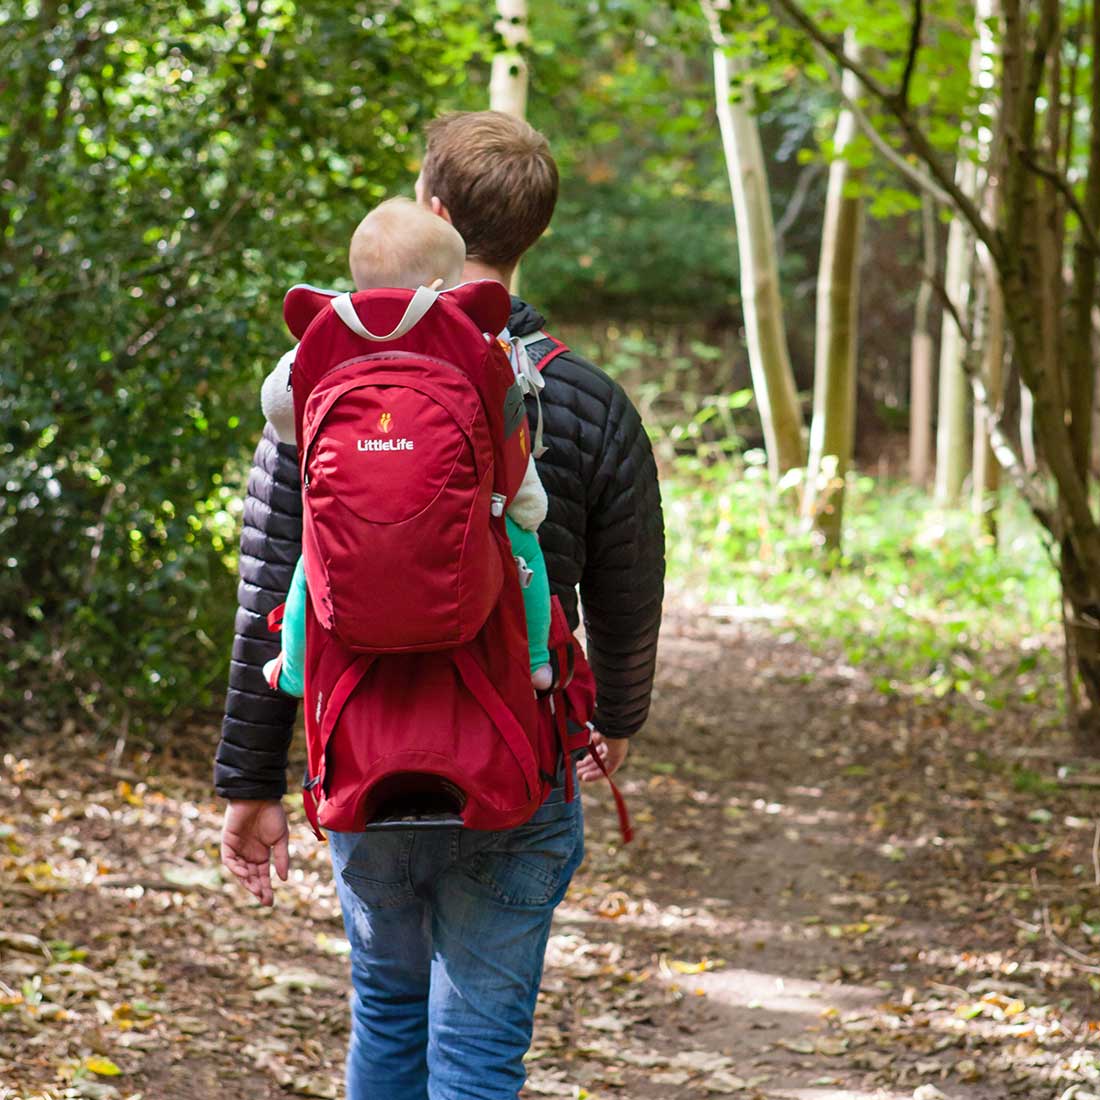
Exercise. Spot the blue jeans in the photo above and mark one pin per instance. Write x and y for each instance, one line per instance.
(448, 931)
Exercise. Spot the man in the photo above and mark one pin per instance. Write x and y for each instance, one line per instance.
(448, 929)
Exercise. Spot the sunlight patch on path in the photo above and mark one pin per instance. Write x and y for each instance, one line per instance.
(846, 1093)
(775, 993)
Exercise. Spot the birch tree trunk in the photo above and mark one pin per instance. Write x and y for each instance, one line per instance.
(508, 79)
(987, 470)
(769, 357)
(508, 76)
(953, 457)
(835, 339)
(920, 357)
(991, 332)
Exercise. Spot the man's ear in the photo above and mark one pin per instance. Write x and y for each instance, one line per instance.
(440, 210)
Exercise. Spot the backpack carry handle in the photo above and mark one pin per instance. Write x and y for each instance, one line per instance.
(422, 300)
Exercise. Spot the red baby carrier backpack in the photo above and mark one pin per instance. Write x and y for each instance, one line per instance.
(413, 439)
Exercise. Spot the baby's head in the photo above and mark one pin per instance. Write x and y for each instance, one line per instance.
(403, 244)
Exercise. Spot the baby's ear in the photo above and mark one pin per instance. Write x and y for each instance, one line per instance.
(486, 302)
(301, 304)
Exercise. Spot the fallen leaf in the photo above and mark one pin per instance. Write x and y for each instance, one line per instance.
(607, 1022)
(102, 1067)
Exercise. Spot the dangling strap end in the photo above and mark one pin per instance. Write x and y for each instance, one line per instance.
(626, 829)
(309, 804)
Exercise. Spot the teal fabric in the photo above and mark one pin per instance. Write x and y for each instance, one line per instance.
(536, 605)
(536, 596)
(292, 677)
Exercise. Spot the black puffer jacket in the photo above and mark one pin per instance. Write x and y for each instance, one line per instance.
(604, 533)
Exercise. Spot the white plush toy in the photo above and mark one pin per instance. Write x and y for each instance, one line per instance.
(277, 400)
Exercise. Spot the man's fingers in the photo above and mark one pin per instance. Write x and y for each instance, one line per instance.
(588, 771)
(246, 873)
(282, 857)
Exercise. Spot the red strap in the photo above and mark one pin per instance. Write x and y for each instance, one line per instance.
(309, 804)
(275, 618)
(559, 349)
(557, 709)
(625, 828)
(276, 671)
(482, 689)
(349, 680)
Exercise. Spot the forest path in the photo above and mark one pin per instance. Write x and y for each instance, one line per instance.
(831, 896)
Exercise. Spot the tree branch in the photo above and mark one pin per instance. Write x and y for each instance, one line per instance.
(940, 290)
(1000, 442)
(913, 173)
(798, 200)
(914, 49)
(904, 116)
(1065, 188)
(1009, 459)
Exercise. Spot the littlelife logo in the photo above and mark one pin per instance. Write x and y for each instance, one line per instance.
(385, 445)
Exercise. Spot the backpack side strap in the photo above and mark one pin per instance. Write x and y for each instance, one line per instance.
(530, 359)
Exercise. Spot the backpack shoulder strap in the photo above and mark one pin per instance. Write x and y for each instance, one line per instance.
(541, 348)
(533, 352)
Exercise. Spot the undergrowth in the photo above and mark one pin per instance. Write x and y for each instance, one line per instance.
(916, 597)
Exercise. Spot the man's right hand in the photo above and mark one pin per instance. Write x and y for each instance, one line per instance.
(253, 834)
(612, 752)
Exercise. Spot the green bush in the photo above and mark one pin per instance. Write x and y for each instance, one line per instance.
(164, 190)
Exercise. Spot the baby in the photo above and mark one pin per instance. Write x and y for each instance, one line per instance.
(403, 244)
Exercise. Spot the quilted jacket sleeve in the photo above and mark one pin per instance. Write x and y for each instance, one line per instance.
(622, 585)
(259, 722)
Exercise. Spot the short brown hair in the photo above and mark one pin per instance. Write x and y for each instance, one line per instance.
(495, 175)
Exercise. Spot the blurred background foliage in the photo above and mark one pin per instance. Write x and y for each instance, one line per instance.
(171, 170)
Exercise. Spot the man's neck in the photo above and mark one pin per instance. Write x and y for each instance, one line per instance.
(475, 269)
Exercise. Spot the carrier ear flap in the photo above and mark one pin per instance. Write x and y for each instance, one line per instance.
(486, 302)
(301, 304)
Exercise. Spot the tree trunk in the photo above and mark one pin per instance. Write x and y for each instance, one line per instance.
(769, 357)
(508, 77)
(833, 425)
(987, 471)
(920, 357)
(1080, 571)
(1027, 430)
(1020, 247)
(953, 428)
(508, 80)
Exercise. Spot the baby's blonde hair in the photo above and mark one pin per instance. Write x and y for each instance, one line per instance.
(403, 244)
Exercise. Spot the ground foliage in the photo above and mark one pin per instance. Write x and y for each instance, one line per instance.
(919, 601)
(833, 893)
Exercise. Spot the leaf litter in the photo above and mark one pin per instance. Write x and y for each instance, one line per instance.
(830, 889)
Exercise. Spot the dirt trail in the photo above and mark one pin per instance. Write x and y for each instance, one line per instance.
(833, 894)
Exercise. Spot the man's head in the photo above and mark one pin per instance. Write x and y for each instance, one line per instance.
(402, 244)
(493, 177)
